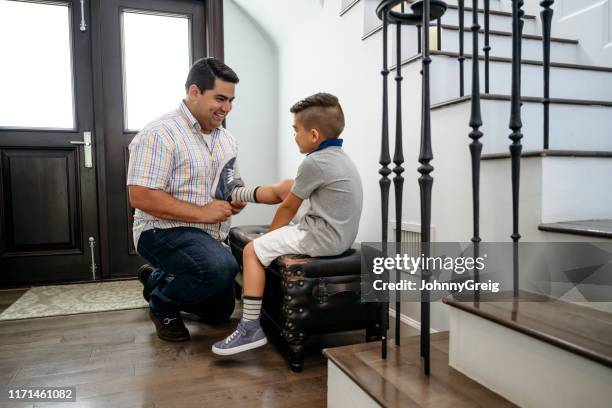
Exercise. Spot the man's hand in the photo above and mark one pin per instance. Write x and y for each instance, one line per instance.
(216, 211)
(237, 206)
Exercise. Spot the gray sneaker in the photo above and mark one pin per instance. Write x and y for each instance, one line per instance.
(226, 181)
(248, 335)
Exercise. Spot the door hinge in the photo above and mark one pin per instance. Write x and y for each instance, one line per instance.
(92, 244)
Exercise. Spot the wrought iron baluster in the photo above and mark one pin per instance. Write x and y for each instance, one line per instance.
(475, 124)
(487, 45)
(547, 15)
(439, 34)
(516, 135)
(398, 160)
(425, 184)
(419, 38)
(385, 182)
(461, 58)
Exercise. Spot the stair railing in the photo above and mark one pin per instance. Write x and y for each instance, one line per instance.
(398, 160)
(475, 135)
(546, 15)
(384, 182)
(423, 12)
(516, 135)
(487, 45)
(461, 58)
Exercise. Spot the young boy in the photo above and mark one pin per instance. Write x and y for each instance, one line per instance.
(331, 182)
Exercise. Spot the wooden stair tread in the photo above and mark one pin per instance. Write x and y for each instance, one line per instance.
(593, 228)
(506, 34)
(550, 153)
(492, 12)
(577, 329)
(451, 54)
(399, 381)
(528, 99)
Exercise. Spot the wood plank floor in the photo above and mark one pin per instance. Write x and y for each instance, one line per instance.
(9, 296)
(116, 360)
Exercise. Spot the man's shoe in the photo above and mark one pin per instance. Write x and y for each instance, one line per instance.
(226, 182)
(170, 328)
(143, 274)
(248, 335)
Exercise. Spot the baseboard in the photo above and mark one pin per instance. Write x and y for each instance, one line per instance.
(407, 320)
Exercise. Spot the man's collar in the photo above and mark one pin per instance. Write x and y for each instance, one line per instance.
(328, 143)
(193, 122)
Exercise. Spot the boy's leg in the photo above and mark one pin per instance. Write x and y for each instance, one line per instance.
(256, 255)
(254, 281)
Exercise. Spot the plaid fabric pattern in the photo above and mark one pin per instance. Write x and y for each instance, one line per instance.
(171, 154)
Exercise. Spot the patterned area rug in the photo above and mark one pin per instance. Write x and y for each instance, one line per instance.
(43, 301)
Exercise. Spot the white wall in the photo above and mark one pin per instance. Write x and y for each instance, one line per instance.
(251, 52)
(321, 51)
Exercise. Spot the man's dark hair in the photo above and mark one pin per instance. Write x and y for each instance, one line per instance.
(323, 112)
(204, 71)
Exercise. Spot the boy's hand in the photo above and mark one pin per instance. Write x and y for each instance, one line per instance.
(237, 206)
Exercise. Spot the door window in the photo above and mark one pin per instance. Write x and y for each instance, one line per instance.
(155, 53)
(36, 88)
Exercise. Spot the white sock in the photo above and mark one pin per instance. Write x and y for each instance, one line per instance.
(245, 194)
(251, 308)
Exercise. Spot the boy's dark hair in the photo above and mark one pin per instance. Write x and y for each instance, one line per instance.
(204, 71)
(323, 112)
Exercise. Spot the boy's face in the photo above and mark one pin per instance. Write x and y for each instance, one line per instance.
(307, 139)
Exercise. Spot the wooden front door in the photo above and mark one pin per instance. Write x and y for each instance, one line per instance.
(147, 48)
(48, 205)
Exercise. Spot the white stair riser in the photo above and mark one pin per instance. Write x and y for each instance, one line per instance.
(570, 83)
(576, 188)
(501, 46)
(342, 391)
(572, 127)
(526, 371)
(553, 189)
(496, 22)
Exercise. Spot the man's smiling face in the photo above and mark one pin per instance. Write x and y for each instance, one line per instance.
(212, 106)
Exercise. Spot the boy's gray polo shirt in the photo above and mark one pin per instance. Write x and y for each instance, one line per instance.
(330, 180)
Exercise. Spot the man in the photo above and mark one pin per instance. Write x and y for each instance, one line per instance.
(179, 226)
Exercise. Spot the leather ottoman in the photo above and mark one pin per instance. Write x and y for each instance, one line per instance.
(305, 296)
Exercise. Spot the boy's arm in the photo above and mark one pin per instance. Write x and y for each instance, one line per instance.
(286, 211)
(275, 193)
(272, 194)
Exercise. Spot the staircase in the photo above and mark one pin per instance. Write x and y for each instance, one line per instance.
(556, 353)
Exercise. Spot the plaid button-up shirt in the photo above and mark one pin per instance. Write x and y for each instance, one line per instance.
(171, 154)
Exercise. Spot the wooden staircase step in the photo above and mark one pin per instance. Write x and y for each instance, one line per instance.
(493, 13)
(591, 228)
(399, 381)
(550, 153)
(468, 34)
(530, 99)
(580, 330)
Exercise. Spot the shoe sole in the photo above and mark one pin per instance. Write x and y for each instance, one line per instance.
(174, 339)
(240, 349)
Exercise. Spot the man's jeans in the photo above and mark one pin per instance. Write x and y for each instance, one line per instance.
(194, 273)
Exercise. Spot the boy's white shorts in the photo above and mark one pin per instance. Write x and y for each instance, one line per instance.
(282, 241)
